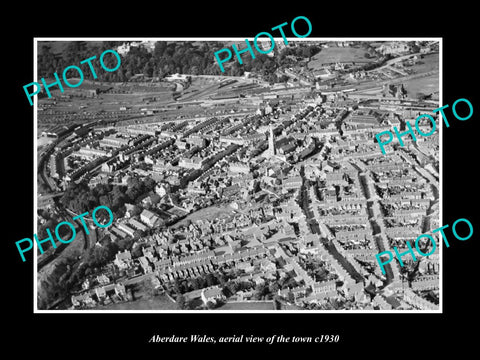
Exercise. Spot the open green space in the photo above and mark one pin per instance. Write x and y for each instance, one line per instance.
(429, 62)
(425, 85)
(160, 302)
(338, 54)
(248, 305)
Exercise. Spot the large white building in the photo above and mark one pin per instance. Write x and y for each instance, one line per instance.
(113, 141)
(87, 152)
(394, 48)
(149, 218)
(125, 47)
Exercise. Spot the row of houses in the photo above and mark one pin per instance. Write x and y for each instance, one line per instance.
(344, 219)
(399, 199)
(417, 301)
(337, 266)
(185, 270)
(242, 255)
(186, 266)
(380, 301)
(426, 282)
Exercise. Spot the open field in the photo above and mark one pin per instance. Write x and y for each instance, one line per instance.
(248, 305)
(428, 63)
(160, 302)
(338, 54)
(426, 85)
(43, 140)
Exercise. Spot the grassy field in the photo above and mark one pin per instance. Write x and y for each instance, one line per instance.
(160, 302)
(427, 63)
(424, 85)
(43, 140)
(427, 84)
(338, 54)
(248, 305)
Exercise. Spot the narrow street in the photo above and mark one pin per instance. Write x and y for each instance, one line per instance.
(315, 228)
(376, 222)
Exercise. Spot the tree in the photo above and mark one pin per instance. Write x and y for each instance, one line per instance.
(106, 201)
(291, 297)
(148, 69)
(306, 52)
(230, 288)
(273, 287)
(159, 49)
(124, 244)
(43, 189)
(211, 305)
(413, 46)
(102, 189)
(155, 198)
(202, 283)
(137, 251)
(178, 287)
(259, 290)
(298, 51)
(211, 280)
(194, 283)
(180, 300)
(191, 304)
(149, 183)
(99, 256)
(420, 96)
(137, 210)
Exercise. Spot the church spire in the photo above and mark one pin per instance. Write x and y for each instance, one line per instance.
(271, 143)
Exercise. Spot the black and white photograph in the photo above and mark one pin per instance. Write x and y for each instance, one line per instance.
(261, 188)
(255, 179)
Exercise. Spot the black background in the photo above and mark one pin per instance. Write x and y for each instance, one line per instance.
(59, 335)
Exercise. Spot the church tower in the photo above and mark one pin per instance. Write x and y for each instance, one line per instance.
(271, 143)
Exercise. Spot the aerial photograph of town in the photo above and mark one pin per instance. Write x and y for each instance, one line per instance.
(259, 188)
